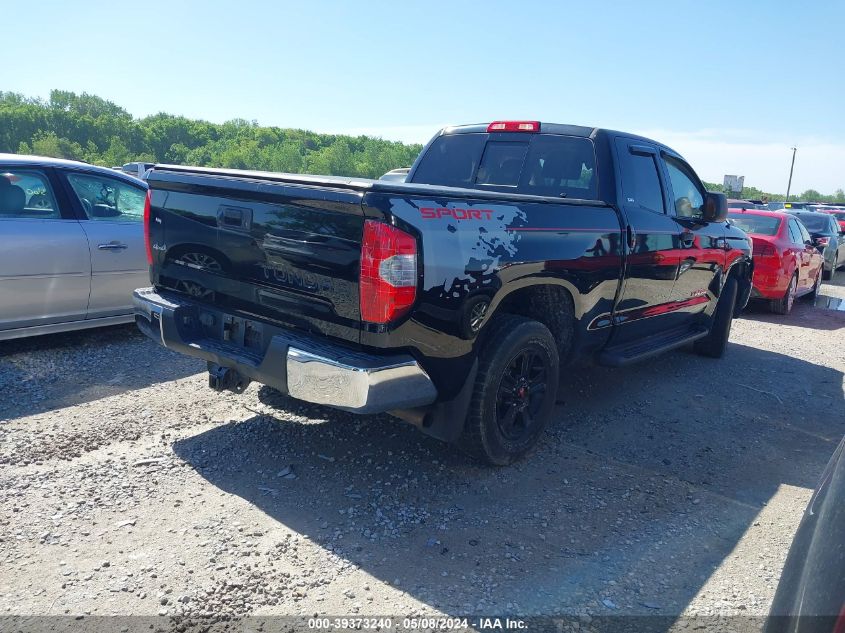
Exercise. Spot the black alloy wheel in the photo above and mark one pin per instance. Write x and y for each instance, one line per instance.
(521, 393)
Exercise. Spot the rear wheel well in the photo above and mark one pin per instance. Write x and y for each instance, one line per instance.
(550, 305)
(742, 274)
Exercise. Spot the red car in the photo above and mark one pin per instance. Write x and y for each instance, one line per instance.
(786, 263)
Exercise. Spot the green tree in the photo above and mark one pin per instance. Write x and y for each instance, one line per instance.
(48, 144)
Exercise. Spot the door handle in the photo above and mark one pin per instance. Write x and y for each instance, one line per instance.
(112, 246)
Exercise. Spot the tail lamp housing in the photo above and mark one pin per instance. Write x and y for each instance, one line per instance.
(148, 247)
(763, 249)
(388, 280)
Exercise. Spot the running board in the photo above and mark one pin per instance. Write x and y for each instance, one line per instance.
(633, 352)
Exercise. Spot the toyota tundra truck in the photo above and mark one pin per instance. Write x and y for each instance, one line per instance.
(457, 300)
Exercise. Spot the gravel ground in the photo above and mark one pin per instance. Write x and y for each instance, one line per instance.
(672, 487)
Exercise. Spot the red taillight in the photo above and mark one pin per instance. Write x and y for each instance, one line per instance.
(147, 245)
(514, 126)
(388, 284)
(763, 249)
(822, 241)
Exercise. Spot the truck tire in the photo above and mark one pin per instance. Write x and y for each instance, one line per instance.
(784, 304)
(714, 344)
(514, 393)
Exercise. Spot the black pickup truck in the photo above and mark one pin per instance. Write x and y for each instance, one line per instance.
(451, 300)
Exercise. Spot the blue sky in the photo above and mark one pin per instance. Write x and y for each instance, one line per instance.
(730, 85)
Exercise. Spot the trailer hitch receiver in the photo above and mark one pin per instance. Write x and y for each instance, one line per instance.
(226, 379)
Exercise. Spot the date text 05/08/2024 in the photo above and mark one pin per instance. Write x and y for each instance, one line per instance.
(418, 623)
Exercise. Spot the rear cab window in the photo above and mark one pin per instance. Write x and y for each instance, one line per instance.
(535, 164)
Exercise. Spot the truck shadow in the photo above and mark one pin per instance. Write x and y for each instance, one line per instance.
(642, 487)
(44, 373)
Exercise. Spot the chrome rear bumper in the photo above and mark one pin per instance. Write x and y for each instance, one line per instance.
(303, 366)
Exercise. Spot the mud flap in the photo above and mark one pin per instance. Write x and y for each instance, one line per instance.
(443, 420)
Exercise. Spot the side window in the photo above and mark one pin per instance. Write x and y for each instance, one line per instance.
(686, 194)
(794, 233)
(805, 235)
(26, 193)
(640, 182)
(110, 199)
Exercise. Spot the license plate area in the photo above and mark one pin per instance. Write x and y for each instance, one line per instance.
(233, 330)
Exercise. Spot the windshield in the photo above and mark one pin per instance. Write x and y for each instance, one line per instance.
(535, 164)
(755, 224)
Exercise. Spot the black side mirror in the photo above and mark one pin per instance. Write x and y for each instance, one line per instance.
(715, 207)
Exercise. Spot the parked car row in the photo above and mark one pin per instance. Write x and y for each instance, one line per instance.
(794, 250)
(837, 211)
(91, 220)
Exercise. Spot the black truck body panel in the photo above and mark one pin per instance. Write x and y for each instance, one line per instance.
(287, 249)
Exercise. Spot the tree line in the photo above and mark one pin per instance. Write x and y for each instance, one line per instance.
(89, 128)
(752, 193)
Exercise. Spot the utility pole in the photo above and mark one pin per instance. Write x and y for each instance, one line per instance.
(791, 167)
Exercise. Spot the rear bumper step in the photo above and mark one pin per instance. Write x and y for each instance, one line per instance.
(303, 366)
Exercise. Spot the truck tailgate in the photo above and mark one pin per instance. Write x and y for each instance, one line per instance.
(284, 249)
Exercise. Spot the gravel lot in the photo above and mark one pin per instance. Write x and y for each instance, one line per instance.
(670, 487)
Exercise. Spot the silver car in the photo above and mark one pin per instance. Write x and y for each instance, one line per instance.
(71, 245)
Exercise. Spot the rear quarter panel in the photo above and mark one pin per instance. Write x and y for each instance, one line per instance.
(476, 249)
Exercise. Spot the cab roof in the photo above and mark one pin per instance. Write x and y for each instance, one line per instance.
(556, 128)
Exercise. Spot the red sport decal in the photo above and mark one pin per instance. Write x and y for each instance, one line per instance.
(431, 213)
